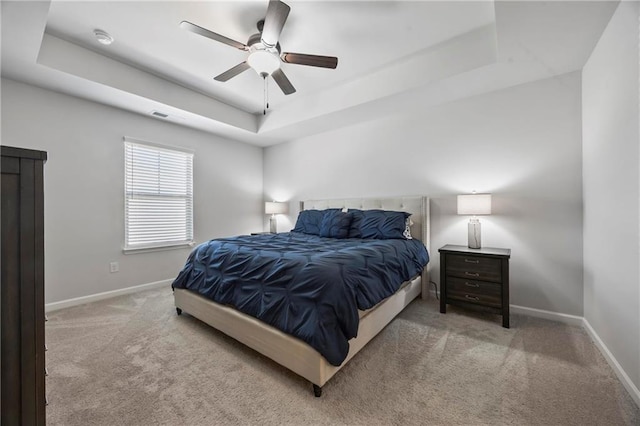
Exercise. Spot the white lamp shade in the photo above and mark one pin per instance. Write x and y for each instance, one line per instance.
(474, 204)
(272, 207)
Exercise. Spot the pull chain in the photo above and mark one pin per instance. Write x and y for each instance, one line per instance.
(266, 93)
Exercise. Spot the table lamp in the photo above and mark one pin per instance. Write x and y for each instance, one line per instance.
(273, 208)
(474, 204)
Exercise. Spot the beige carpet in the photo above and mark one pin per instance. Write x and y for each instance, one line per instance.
(132, 361)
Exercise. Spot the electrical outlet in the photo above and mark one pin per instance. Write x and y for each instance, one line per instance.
(114, 267)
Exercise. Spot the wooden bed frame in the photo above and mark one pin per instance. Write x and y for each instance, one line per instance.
(293, 353)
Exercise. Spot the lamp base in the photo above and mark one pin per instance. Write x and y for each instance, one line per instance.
(474, 234)
(273, 224)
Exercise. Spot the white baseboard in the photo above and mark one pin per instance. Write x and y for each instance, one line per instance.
(49, 307)
(581, 322)
(539, 313)
(613, 362)
(550, 315)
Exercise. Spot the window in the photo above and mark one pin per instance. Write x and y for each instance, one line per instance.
(158, 187)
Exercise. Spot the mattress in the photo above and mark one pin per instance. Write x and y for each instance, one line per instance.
(313, 288)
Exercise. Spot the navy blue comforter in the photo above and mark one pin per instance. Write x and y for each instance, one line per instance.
(305, 285)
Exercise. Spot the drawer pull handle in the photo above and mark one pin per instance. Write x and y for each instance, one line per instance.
(468, 284)
(477, 299)
(472, 274)
(472, 261)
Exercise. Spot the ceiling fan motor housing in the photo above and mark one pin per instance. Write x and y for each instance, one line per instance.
(257, 39)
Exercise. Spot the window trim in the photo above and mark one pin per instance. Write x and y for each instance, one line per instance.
(150, 249)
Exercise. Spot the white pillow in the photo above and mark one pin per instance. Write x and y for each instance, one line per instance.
(407, 229)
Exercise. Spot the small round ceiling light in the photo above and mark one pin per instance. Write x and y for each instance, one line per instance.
(103, 37)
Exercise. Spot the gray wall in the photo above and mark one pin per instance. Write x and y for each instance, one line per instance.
(84, 187)
(611, 175)
(522, 144)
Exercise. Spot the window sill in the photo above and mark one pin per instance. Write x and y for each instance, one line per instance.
(159, 248)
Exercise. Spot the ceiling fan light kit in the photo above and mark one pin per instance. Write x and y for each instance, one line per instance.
(263, 61)
(265, 55)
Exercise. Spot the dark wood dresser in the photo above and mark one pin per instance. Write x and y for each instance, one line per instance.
(475, 277)
(22, 297)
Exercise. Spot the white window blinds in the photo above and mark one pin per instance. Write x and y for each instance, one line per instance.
(158, 196)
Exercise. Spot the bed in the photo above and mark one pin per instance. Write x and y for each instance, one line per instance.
(340, 331)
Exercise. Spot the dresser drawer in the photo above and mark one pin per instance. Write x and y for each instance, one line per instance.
(472, 291)
(474, 267)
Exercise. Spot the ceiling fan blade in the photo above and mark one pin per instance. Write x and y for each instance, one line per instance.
(186, 25)
(230, 73)
(277, 13)
(283, 82)
(311, 60)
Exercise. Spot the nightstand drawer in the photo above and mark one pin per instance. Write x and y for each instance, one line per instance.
(479, 292)
(474, 267)
(483, 300)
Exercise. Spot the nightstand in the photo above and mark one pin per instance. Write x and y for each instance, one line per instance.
(475, 277)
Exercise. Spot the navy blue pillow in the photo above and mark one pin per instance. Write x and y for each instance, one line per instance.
(309, 221)
(380, 224)
(335, 224)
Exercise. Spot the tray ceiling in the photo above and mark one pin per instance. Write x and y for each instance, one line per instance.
(391, 55)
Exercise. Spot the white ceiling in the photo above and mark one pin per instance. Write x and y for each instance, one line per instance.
(393, 56)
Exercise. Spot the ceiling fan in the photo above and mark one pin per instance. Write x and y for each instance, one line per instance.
(265, 55)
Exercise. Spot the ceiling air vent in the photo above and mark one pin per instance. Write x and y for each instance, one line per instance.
(159, 114)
